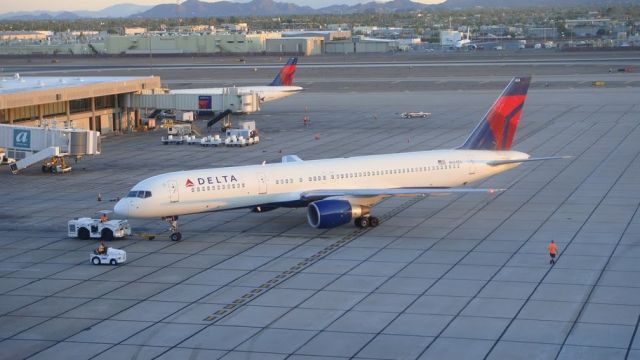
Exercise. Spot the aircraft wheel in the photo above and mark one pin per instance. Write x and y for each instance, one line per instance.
(176, 236)
(83, 233)
(374, 221)
(107, 234)
(364, 222)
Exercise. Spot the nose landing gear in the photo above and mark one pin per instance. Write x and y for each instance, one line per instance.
(173, 227)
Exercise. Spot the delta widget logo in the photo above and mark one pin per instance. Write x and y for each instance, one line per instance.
(189, 183)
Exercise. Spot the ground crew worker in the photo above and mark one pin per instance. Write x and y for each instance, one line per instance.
(553, 250)
(104, 217)
(101, 248)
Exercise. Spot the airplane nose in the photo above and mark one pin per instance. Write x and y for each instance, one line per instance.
(122, 208)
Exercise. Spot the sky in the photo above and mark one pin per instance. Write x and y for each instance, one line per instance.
(70, 5)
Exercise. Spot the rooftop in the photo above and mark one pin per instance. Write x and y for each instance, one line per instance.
(17, 83)
(52, 89)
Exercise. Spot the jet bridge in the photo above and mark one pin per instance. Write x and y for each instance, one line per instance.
(30, 145)
(221, 100)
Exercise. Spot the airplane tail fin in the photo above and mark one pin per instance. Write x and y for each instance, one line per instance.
(498, 127)
(285, 76)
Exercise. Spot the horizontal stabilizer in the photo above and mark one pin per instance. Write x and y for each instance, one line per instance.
(291, 159)
(320, 194)
(504, 162)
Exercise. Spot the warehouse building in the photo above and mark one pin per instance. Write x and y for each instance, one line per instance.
(295, 45)
(93, 103)
(359, 44)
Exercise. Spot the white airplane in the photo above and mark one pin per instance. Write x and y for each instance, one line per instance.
(279, 88)
(337, 191)
(466, 43)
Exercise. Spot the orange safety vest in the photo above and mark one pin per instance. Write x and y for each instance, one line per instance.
(552, 248)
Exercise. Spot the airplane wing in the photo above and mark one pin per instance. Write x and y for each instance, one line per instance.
(504, 162)
(320, 194)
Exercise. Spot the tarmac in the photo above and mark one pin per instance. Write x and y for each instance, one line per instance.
(442, 277)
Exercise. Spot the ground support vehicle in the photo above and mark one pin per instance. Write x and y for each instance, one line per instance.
(192, 140)
(88, 228)
(111, 256)
(55, 165)
(170, 139)
(241, 141)
(211, 141)
(415, 114)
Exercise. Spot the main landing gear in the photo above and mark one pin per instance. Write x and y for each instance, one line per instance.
(173, 227)
(364, 222)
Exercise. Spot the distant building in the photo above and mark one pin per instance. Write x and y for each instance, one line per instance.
(361, 44)
(295, 45)
(587, 27)
(24, 35)
(236, 28)
(494, 30)
(364, 30)
(393, 33)
(541, 32)
(326, 35)
(134, 31)
(338, 27)
(192, 43)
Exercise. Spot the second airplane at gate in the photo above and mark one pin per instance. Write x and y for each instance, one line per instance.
(338, 191)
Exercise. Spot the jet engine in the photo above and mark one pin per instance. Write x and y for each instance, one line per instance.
(326, 214)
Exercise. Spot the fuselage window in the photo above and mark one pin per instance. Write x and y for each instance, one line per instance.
(324, 177)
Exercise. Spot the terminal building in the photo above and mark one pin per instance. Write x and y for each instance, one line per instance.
(106, 104)
(92, 103)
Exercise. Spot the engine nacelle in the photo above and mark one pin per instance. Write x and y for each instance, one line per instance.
(326, 214)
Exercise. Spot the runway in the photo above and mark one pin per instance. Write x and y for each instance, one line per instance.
(442, 277)
(366, 73)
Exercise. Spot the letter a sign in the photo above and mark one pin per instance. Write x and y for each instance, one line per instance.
(21, 139)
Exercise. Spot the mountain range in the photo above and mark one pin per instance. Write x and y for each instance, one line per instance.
(114, 11)
(197, 8)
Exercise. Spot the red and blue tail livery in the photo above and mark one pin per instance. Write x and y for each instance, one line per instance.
(498, 127)
(285, 76)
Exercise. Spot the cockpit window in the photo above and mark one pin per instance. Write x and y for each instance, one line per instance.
(139, 194)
